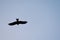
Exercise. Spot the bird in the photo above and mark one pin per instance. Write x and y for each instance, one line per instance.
(17, 22)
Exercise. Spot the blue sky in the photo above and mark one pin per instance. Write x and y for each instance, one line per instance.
(43, 18)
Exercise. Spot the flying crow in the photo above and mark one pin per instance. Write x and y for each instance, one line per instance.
(17, 22)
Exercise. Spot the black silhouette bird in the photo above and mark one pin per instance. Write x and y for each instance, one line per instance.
(17, 22)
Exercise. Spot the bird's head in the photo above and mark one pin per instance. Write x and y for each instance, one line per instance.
(17, 19)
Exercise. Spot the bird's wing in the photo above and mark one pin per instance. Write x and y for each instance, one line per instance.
(13, 23)
(22, 22)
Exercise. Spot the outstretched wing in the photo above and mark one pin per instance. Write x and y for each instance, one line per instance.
(22, 22)
(13, 23)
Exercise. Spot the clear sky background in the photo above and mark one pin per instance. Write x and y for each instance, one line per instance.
(43, 18)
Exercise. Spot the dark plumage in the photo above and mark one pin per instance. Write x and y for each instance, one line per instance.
(18, 22)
